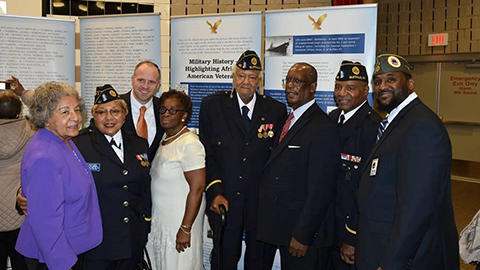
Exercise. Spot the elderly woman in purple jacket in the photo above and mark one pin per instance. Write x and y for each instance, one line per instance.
(63, 218)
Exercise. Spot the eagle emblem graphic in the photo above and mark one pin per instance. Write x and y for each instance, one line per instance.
(213, 28)
(317, 23)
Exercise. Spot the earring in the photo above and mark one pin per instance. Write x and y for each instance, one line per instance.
(183, 120)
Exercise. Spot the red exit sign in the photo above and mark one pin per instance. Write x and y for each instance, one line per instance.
(438, 39)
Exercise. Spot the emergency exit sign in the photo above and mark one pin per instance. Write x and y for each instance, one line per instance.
(438, 39)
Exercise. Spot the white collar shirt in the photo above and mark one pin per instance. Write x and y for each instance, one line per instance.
(119, 142)
(349, 114)
(391, 116)
(299, 112)
(250, 104)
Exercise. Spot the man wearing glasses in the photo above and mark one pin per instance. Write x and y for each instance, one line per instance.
(296, 196)
(237, 129)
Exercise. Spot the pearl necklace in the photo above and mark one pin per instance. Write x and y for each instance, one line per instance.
(174, 135)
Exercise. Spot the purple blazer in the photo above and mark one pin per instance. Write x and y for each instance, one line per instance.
(63, 214)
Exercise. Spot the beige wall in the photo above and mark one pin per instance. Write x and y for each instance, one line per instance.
(24, 7)
(404, 25)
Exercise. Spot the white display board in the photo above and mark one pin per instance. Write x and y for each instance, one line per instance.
(204, 48)
(111, 47)
(36, 50)
(322, 37)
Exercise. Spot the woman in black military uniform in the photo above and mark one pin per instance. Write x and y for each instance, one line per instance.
(121, 169)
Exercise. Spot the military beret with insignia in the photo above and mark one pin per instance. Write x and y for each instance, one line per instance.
(350, 71)
(105, 94)
(391, 63)
(249, 60)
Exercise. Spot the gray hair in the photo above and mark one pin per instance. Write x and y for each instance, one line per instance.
(45, 100)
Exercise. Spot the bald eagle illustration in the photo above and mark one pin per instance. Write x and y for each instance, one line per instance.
(316, 24)
(213, 28)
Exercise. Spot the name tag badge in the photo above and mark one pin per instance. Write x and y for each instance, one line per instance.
(373, 169)
(94, 167)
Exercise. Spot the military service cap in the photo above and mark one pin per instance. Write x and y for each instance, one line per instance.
(105, 94)
(350, 71)
(391, 63)
(249, 60)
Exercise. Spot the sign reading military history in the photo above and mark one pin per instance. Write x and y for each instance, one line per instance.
(322, 37)
(204, 49)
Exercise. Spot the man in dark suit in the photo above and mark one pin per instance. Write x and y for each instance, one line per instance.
(406, 216)
(296, 197)
(145, 84)
(357, 124)
(237, 129)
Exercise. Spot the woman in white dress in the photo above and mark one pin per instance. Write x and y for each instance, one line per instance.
(178, 182)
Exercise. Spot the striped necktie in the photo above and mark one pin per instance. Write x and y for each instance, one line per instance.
(286, 127)
(381, 129)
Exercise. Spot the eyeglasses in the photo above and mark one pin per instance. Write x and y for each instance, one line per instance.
(163, 110)
(296, 82)
(103, 113)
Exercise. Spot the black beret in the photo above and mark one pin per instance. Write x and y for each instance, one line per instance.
(105, 94)
(249, 60)
(350, 71)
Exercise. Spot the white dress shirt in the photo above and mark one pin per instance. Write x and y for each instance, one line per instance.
(350, 113)
(119, 142)
(402, 105)
(250, 104)
(299, 112)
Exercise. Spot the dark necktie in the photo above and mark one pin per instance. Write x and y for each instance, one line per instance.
(381, 129)
(112, 142)
(246, 120)
(286, 127)
(342, 120)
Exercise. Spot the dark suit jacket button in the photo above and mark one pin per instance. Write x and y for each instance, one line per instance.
(277, 178)
(219, 143)
(125, 203)
(244, 159)
(125, 187)
(238, 194)
(126, 219)
(240, 177)
(125, 172)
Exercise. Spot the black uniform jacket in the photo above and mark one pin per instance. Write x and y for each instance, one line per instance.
(130, 126)
(357, 137)
(405, 201)
(297, 191)
(233, 155)
(123, 192)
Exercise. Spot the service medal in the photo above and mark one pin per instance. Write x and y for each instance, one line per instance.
(143, 163)
(260, 134)
(270, 134)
